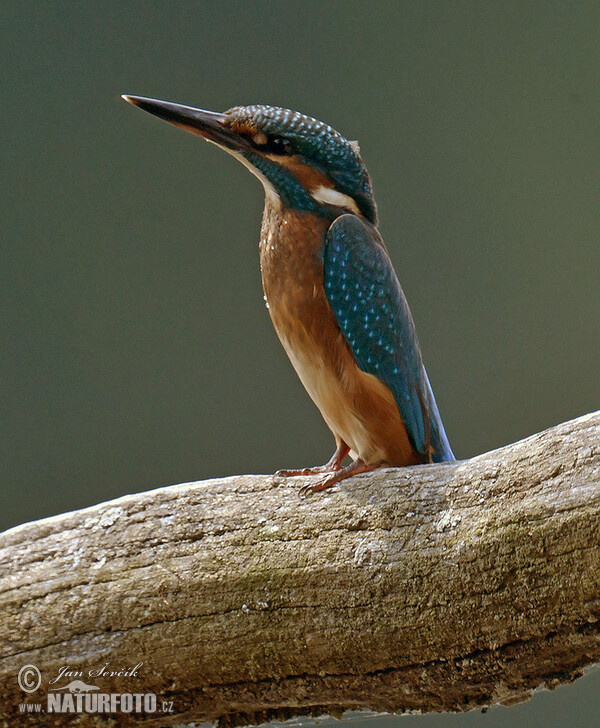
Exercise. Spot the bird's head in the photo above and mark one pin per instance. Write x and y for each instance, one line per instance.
(302, 161)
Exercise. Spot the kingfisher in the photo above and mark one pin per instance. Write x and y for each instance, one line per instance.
(330, 287)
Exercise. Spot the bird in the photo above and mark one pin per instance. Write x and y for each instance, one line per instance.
(330, 287)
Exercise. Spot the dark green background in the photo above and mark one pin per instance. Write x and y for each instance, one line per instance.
(136, 349)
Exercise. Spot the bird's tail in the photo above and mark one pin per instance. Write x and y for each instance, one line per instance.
(440, 445)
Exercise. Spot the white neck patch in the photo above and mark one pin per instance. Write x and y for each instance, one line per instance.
(329, 196)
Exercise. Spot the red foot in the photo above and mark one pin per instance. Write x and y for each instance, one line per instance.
(334, 463)
(353, 469)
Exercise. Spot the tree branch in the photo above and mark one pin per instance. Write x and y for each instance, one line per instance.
(435, 587)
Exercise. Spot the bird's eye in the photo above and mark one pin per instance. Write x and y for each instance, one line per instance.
(280, 145)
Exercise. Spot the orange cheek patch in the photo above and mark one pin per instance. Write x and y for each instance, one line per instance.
(309, 178)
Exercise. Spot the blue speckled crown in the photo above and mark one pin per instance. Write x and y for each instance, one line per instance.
(319, 145)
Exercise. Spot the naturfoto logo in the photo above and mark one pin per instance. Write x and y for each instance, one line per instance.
(82, 695)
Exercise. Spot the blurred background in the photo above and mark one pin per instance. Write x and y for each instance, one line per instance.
(136, 348)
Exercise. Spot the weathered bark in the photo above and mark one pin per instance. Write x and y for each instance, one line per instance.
(439, 587)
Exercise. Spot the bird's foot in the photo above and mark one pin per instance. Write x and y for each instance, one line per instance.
(334, 464)
(353, 469)
(305, 471)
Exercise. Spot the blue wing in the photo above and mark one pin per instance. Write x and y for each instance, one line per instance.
(371, 310)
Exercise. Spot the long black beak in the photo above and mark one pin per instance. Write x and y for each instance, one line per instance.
(210, 125)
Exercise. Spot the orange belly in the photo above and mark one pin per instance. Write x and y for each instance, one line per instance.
(357, 407)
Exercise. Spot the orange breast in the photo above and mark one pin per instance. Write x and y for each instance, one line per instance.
(357, 407)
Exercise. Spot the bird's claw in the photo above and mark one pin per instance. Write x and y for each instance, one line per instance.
(318, 486)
